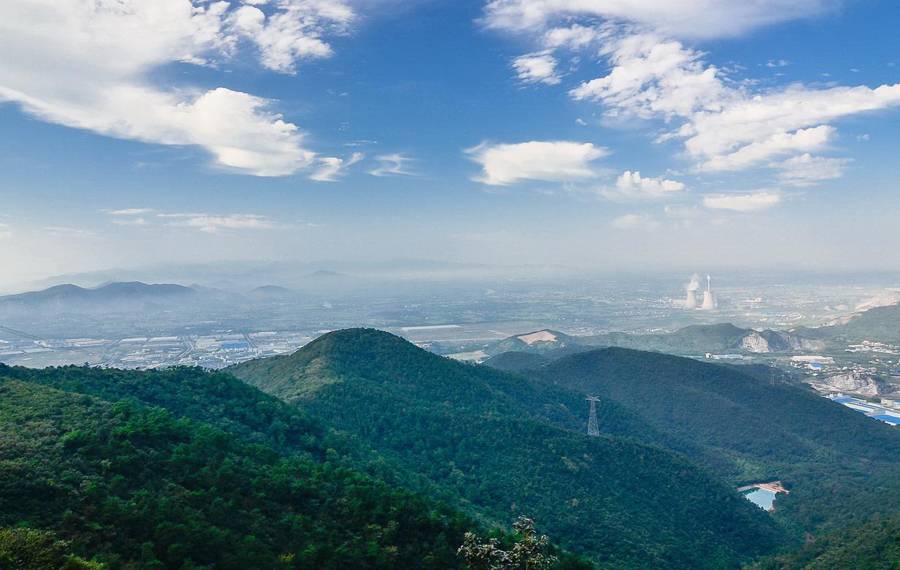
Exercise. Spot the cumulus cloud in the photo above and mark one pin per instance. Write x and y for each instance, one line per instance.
(394, 164)
(551, 161)
(632, 186)
(749, 202)
(331, 168)
(807, 170)
(681, 18)
(572, 37)
(89, 65)
(723, 124)
(775, 145)
(294, 32)
(651, 76)
(635, 222)
(536, 68)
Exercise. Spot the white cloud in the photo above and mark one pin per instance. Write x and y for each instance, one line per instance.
(751, 119)
(536, 68)
(749, 202)
(331, 168)
(552, 161)
(292, 33)
(129, 212)
(651, 76)
(105, 82)
(807, 170)
(775, 145)
(681, 18)
(723, 125)
(67, 232)
(573, 37)
(635, 222)
(5, 231)
(130, 221)
(632, 186)
(214, 223)
(394, 164)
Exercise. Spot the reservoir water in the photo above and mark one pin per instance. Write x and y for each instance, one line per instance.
(763, 498)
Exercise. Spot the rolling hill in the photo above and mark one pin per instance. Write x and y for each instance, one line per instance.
(503, 444)
(829, 456)
(690, 340)
(186, 469)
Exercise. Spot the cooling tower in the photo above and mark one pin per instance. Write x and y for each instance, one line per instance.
(691, 301)
(709, 298)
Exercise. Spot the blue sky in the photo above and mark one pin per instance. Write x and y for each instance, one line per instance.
(604, 134)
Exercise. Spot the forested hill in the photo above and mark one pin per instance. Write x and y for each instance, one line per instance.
(214, 475)
(840, 465)
(871, 546)
(503, 444)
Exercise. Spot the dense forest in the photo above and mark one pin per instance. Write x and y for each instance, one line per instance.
(364, 451)
(137, 487)
(502, 443)
(874, 545)
(840, 466)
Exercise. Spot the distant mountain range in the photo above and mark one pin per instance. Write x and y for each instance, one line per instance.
(112, 296)
(691, 340)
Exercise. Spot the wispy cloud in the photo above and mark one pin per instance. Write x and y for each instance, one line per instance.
(212, 223)
(807, 170)
(68, 232)
(200, 221)
(395, 164)
(332, 168)
(635, 222)
(129, 212)
(746, 202)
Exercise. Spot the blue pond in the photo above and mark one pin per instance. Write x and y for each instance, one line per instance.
(762, 498)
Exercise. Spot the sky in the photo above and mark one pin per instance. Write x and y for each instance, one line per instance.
(597, 134)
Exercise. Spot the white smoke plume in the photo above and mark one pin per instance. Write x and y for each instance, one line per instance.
(694, 284)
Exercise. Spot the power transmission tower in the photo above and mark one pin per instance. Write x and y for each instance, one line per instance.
(593, 426)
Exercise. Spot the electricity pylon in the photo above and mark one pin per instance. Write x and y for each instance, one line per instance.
(593, 426)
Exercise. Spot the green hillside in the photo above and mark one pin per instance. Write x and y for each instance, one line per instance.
(506, 445)
(879, 323)
(516, 361)
(840, 465)
(135, 486)
(871, 546)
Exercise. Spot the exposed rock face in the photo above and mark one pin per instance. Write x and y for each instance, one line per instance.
(755, 342)
(852, 382)
(539, 336)
(776, 341)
